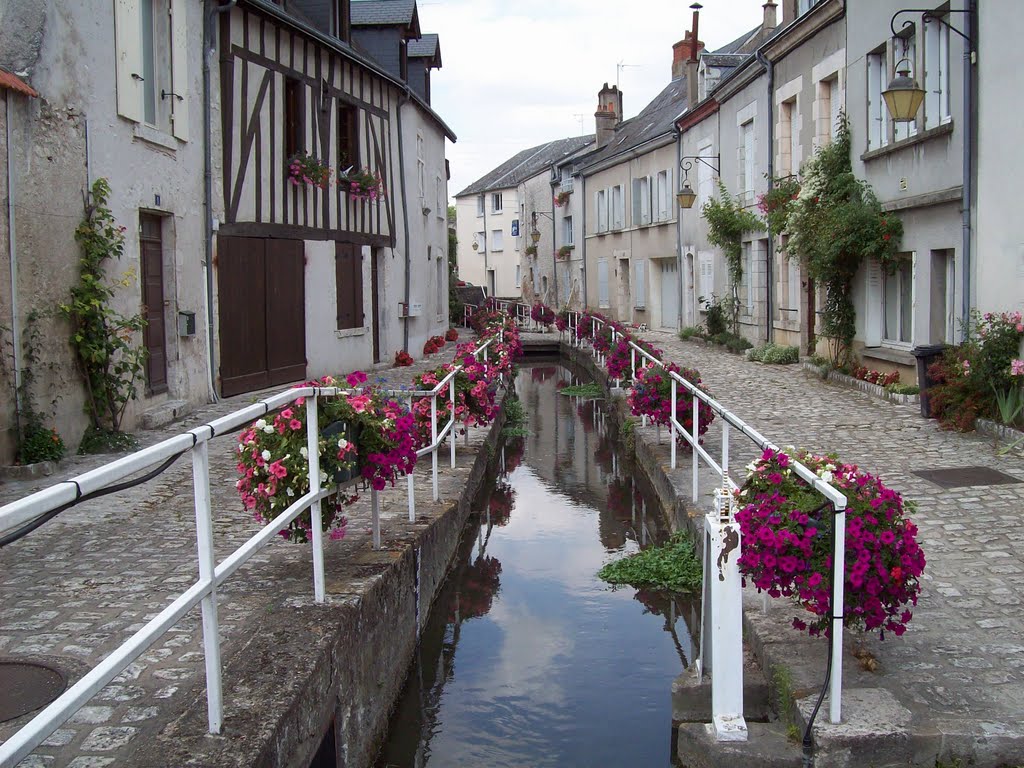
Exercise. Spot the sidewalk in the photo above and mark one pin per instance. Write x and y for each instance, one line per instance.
(78, 587)
(953, 685)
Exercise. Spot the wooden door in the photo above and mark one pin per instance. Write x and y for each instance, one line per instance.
(154, 335)
(374, 288)
(261, 302)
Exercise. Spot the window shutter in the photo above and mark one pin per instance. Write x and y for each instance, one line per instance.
(637, 201)
(640, 280)
(602, 283)
(128, 41)
(179, 69)
(873, 305)
(357, 286)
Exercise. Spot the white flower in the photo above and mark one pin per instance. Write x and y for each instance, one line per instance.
(241, 448)
(343, 443)
(304, 452)
(268, 429)
(260, 424)
(289, 491)
(827, 477)
(751, 467)
(266, 455)
(830, 467)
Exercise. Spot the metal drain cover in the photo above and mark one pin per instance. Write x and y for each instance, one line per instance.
(963, 477)
(25, 687)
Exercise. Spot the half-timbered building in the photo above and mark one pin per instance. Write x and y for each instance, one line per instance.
(317, 274)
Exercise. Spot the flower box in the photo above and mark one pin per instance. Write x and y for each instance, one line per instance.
(350, 432)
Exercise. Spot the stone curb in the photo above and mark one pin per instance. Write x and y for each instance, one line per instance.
(864, 386)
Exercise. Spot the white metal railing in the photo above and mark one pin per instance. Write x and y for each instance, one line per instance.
(16, 515)
(724, 593)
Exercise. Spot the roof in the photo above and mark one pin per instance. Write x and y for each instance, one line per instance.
(14, 83)
(723, 59)
(370, 13)
(656, 119)
(527, 163)
(427, 46)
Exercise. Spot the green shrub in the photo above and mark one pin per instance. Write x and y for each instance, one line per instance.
(98, 440)
(774, 354)
(673, 566)
(690, 332)
(718, 312)
(589, 391)
(40, 444)
(820, 361)
(731, 341)
(904, 389)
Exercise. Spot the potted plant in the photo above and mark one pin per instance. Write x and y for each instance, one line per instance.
(562, 198)
(531, 250)
(362, 185)
(564, 252)
(304, 168)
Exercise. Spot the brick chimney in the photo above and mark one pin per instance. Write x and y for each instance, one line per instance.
(696, 46)
(770, 19)
(608, 114)
(682, 52)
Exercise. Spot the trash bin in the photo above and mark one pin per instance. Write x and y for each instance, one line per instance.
(926, 355)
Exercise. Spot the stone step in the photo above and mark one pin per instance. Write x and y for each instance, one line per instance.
(767, 746)
(691, 698)
(167, 412)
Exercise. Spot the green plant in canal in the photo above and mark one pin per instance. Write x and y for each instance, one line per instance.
(627, 433)
(672, 566)
(590, 391)
(515, 419)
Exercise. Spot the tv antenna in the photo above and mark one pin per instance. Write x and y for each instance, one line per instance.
(618, 70)
(579, 116)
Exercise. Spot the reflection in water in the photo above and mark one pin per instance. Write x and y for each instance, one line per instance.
(548, 657)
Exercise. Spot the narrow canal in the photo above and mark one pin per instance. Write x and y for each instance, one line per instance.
(528, 659)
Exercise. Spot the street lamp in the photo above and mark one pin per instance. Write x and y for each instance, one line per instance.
(903, 96)
(686, 196)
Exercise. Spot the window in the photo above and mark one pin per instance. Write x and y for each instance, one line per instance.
(641, 201)
(748, 276)
(640, 284)
(941, 317)
(421, 170)
(480, 205)
(618, 212)
(439, 199)
(664, 196)
(294, 133)
(897, 297)
(518, 275)
(497, 240)
(567, 238)
(496, 202)
(746, 160)
(829, 103)
(906, 47)
(602, 284)
(707, 275)
(936, 74)
(442, 284)
(348, 276)
(835, 106)
(481, 241)
(602, 210)
(151, 63)
(803, 6)
(878, 115)
(787, 140)
(348, 139)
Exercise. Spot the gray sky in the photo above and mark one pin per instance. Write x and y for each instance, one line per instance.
(517, 74)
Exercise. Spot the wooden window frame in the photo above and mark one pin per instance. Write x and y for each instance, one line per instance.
(294, 118)
(348, 136)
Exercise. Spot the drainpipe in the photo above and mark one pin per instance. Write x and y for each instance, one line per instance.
(485, 251)
(554, 252)
(13, 246)
(770, 258)
(583, 236)
(968, 161)
(405, 218)
(212, 11)
(679, 234)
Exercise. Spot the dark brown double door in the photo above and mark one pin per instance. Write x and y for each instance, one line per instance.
(262, 305)
(154, 335)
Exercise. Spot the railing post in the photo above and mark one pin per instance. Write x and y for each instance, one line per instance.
(315, 511)
(725, 456)
(695, 421)
(433, 439)
(835, 711)
(412, 496)
(375, 517)
(207, 564)
(632, 364)
(451, 421)
(673, 419)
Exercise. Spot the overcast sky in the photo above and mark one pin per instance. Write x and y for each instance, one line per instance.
(517, 74)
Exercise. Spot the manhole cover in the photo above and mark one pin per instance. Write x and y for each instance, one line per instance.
(962, 477)
(25, 687)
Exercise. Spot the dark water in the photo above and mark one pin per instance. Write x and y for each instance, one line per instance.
(527, 658)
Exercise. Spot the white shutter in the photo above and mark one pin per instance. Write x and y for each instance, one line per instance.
(128, 41)
(640, 283)
(645, 201)
(707, 275)
(637, 201)
(873, 304)
(179, 68)
(602, 283)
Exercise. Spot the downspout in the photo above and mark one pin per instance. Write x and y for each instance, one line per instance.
(770, 258)
(13, 246)
(583, 236)
(208, 49)
(679, 233)
(485, 249)
(554, 252)
(968, 162)
(405, 219)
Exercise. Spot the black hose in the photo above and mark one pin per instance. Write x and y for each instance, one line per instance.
(808, 742)
(26, 529)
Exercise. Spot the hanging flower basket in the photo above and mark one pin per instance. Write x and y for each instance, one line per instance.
(363, 185)
(531, 250)
(564, 252)
(304, 168)
(562, 198)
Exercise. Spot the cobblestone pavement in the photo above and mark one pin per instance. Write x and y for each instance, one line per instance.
(78, 587)
(959, 669)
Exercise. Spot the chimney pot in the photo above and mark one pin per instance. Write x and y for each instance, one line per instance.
(770, 18)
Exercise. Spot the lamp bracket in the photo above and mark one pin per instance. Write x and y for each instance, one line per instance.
(929, 14)
(686, 166)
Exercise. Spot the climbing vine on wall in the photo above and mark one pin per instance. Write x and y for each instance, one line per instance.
(104, 340)
(728, 221)
(836, 223)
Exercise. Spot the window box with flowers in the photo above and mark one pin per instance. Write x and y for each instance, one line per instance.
(531, 250)
(304, 168)
(362, 185)
(562, 198)
(564, 252)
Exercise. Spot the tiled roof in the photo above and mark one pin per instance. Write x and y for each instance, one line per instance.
(426, 47)
(14, 83)
(723, 59)
(527, 163)
(368, 13)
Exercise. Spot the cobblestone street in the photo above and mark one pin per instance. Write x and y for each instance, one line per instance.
(959, 669)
